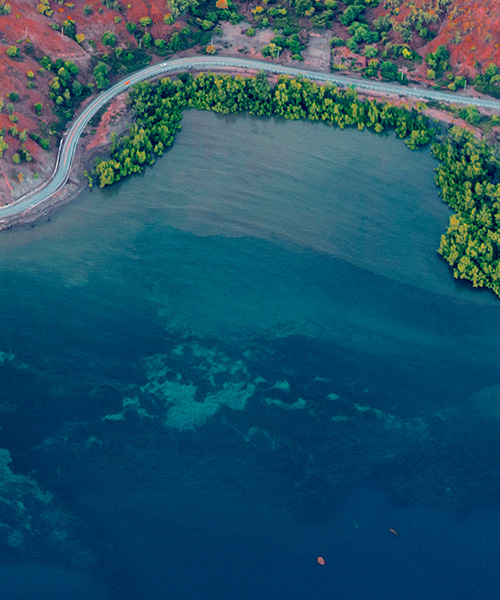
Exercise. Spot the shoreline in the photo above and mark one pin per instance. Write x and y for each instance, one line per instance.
(85, 154)
(74, 186)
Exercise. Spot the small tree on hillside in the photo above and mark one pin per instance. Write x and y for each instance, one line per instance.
(101, 75)
(12, 51)
(108, 39)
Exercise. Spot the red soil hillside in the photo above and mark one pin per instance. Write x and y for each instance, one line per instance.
(471, 33)
(38, 30)
(470, 29)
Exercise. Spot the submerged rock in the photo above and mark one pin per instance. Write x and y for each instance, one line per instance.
(33, 522)
(189, 386)
(299, 404)
(486, 402)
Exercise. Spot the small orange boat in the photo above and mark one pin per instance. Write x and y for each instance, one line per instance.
(320, 560)
(393, 531)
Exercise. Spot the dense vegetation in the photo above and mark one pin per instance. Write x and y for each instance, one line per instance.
(468, 178)
(158, 111)
(467, 175)
(379, 39)
(489, 81)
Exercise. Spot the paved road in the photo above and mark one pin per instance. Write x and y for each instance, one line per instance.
(70, 140)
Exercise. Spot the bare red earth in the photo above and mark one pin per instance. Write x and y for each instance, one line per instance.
(24, 28)
(470, 29)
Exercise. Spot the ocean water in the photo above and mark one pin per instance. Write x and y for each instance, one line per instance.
(248, 357)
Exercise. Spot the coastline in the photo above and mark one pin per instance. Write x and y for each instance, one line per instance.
(89, 148)
(86, 153)
(75, 184)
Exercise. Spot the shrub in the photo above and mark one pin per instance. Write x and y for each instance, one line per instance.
(3, 146)
(13, 96)
(69, 27)
(101, 75)
(250, 31)
(372, 67)
(87, 10)
(370, 51)
(30, 75)
(38, 108)
(389, 70)
(12, 51)
(337, 41)
(108, 39)
(352, 45)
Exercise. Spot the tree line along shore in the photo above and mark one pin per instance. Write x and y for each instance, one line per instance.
(467, 176)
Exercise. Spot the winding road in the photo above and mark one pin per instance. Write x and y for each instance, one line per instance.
(70, 140)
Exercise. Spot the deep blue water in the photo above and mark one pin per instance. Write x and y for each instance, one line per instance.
(249, 357)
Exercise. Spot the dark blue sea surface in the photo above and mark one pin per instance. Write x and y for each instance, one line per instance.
(246, 358)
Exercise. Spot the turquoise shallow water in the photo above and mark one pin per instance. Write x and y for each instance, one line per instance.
(247, 357)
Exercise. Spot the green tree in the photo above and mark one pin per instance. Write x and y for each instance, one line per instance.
(12, 51)
(179, 7)
(108, 39)
(101, 75)
(388, 70)
(3, 146)
(352, 45)
(351, 13)
(372, 67)
(69, 28)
